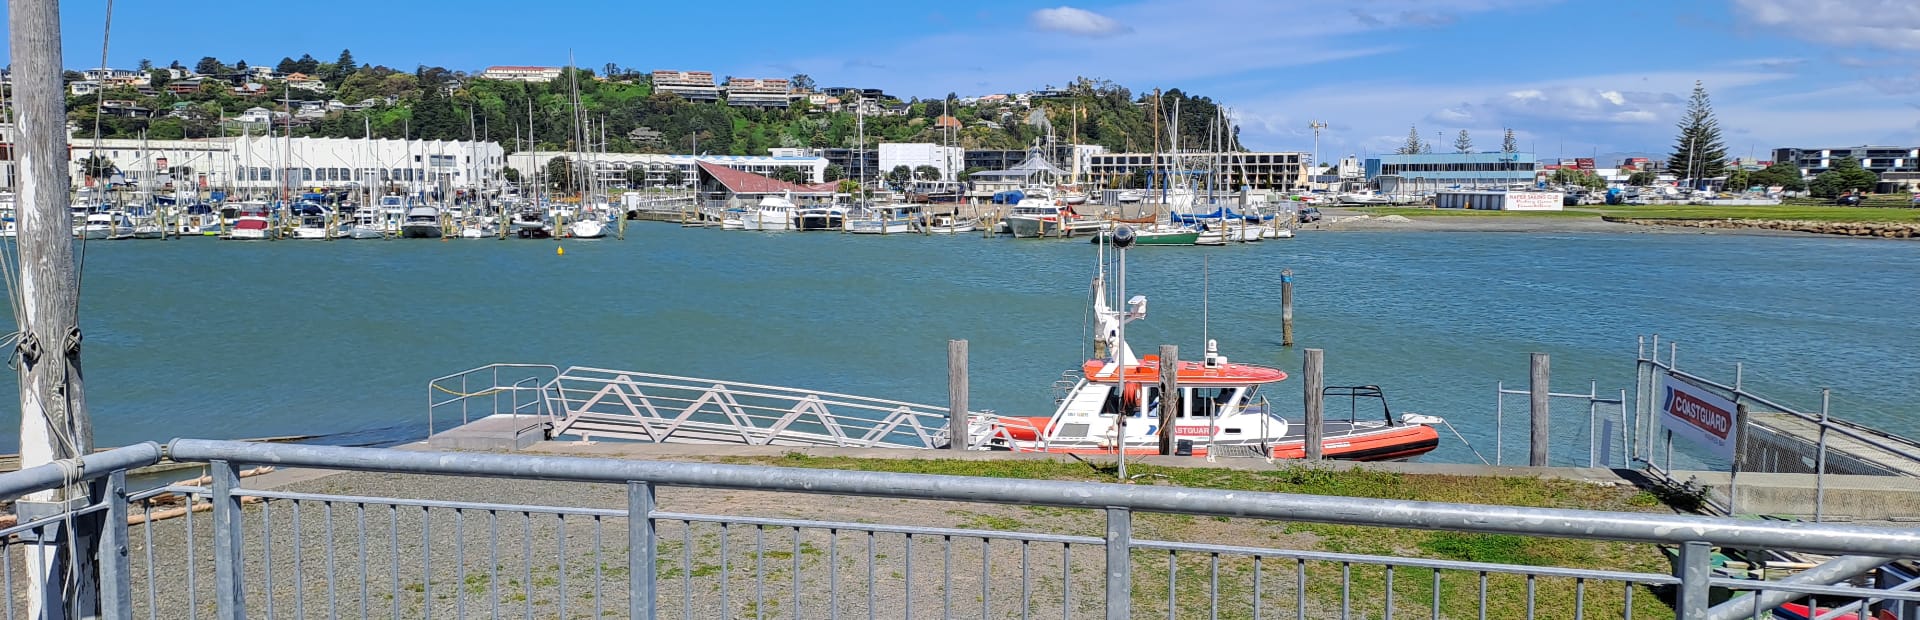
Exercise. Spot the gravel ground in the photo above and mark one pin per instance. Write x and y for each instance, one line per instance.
(470, 563)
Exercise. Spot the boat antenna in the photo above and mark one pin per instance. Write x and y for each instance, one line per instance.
(1206, 296)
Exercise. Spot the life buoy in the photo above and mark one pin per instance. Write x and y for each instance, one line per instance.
(1130, 399)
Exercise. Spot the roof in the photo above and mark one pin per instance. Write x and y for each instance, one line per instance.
(520, 68)
(740, 182)
(1034, 163)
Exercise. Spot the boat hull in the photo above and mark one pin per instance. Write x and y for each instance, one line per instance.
(420, 231)
(366, 232)
(1033, 228)
(1392, 443)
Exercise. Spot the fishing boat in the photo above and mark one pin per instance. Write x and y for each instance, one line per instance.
(773, 213)
(253, 222)
(950, 224)
(1114, 407)
(821, 217)
(1038, 217)
(423, 222)
(886, 220)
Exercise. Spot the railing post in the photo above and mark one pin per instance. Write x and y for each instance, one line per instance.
(1539, 405)
(1314, 367)
(957, 435)
(228, 564)
(1694, 569)
(1119, 563)
(116, 580)
(642, 549)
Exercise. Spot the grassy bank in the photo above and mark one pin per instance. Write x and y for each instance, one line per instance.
(1811, 212)
(1413, 590)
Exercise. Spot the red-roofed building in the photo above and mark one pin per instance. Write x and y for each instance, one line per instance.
(521, 74)
(717, 182)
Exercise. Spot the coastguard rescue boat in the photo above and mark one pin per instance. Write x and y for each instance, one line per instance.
(1114, 406)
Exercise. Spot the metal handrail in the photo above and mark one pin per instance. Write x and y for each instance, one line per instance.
(1553, 522)
(15, 484)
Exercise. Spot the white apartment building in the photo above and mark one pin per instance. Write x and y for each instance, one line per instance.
(260, 163)
(948, 159)
(689, 85)
(521, 73)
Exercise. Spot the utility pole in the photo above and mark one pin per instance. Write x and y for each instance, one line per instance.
(63, 580)
(1316, 126)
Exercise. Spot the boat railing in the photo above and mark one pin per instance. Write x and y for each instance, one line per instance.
(494, 389)
(1064, 385)
(595, 403)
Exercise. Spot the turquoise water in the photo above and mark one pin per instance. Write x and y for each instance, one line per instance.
(208, 338)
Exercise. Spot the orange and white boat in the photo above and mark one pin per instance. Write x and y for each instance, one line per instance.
(1220, 410)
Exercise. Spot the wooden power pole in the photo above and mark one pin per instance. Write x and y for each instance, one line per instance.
(63, 578)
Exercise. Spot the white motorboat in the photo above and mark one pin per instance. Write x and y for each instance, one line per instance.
(950, 224)
(1131, 195)
(423, 222)
(366, 225)
(393, 214)
(1365, 198)
(530, 223)
(1277, 233)
(1035, 218)
(253, 223)
(311, 226)
(886, 220)
(773, 213)
(475, 231)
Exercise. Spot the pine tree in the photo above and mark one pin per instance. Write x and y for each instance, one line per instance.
(1698, 152)
(1412, 147)
(1508, 144)
(344, 66)
(1463, 144)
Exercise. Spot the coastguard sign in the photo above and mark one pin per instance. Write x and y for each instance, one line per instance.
(1698, 415)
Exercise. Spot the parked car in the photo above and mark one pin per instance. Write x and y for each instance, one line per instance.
(1309, 215)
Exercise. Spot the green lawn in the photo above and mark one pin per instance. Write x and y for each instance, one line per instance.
(1814, 212)
(1412, 593)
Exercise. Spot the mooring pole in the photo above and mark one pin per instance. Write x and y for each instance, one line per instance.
(957, 438)
(1286, 307)
(1539, 375)
(1169, 395)
(1314, 381)
(63, 578)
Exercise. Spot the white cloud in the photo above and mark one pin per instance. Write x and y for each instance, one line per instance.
(1890, 24)
(1077, 21)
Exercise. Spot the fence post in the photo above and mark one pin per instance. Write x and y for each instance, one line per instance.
(957, 436)
(1169, 395)
(1539, 377)
(116, 580)
(1694, 569)
(1119, 563)
(642, 550)
(1286, 307)
(228, 563)
(1739, 451)
(1314, 368)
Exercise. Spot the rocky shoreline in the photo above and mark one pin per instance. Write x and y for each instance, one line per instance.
(1884, 230)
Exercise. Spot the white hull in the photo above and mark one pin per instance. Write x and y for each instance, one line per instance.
(473, 233)
(368, 231)
(309, 233)
(149, 232)
(248, 234)
(965, 227)
(1211, 237)
(1277, 233)
(877, 227)
(587, 229)
(732, 224)
(93, 232)
(766, 220)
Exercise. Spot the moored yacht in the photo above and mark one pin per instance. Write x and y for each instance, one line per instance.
(423, 222)
(252, 223)
(773, 213)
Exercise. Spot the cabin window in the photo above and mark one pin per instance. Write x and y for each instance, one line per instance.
(1208, 402)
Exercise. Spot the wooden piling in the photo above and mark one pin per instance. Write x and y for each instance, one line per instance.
(957, 394)
(1539, 376)
(1169, 395)
(1286, 307)
(1314, 381)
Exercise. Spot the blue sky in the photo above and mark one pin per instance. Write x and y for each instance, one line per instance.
(1572, 79)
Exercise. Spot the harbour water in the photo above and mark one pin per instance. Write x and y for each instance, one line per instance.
(216, 339)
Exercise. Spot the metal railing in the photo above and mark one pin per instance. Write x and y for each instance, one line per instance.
(1656, 449)
(494, 389)
(616, 546)
(595, 402)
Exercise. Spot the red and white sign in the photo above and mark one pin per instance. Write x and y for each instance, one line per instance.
(1192, 431)
(1698, 415)
(1533, 201)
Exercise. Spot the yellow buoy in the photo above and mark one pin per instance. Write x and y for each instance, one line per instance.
(559, 251)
